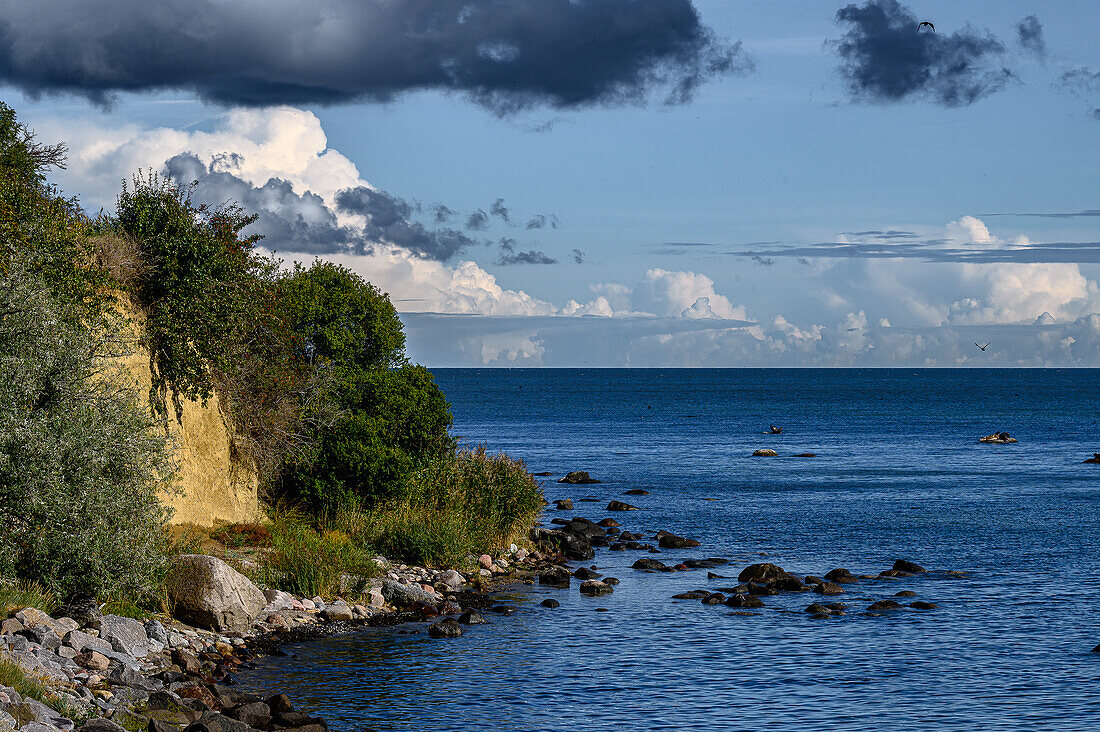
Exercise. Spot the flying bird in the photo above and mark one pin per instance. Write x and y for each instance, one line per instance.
(926, 23)
(982, 348)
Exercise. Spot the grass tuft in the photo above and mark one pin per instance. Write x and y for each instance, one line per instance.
(16, 595)
(13, 676)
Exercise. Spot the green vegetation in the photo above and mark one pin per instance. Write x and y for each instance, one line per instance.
(309, 363)
(28, 687)
(14, 596)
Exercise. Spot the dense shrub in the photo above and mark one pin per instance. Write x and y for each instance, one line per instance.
(81, 464)
(389, 418)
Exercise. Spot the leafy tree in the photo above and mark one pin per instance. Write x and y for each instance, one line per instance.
(81, 463)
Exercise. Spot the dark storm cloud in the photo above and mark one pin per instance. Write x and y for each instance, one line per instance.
(441, 214)
(885, 58)
(477, 221)
(506, 55)
(389, 222)
(499, 210)
(577, 255)
(509, 255)
(1029, 33)
(303, 223)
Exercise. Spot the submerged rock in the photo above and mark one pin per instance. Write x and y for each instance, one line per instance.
(636, 492)
(620, 506)
(564, 505)
(448, 628)
(904, 565)
(765, 452)
(595, 588)
(550, 603)
(578, 477)
(882, 605)
(671, 541)
(998, 438)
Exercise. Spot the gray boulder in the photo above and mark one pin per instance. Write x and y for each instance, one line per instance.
(101, 725)
(126, 635)
(401, 595)
(207, 592)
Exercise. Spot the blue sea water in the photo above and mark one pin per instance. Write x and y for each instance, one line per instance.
(899, 473)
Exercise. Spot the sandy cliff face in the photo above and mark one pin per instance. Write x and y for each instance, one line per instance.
(214, 488)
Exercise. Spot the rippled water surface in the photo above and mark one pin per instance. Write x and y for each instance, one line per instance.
(899, 474)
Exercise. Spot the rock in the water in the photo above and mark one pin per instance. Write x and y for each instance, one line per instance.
(671, 541)
(761, 573)
(448, 628)
(692, 595)
(208, 593)
(1094, 459)
(646, 563)
(829, 588)
(998, 438)
(470, 617)
(765, 452)
(883, 605)
(744, 601)
(923, 605)
(790, 584)
(578, 477)
(805, 454)
(584, 573)
(609, 523)
(905, 593)
(841, 577)
(904, 565)
(550, 603)
(555, 577)
(452, 579)
(595, 588)
(565, 504)
(636, 492)
(620, 506)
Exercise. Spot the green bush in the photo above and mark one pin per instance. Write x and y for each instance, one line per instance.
(307, 562)
(81, 464)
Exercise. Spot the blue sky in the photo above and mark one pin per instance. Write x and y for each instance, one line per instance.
(886, 225)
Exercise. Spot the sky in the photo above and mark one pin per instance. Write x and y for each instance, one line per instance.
(637, 183)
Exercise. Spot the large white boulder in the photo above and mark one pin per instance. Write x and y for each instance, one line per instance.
(208, 593)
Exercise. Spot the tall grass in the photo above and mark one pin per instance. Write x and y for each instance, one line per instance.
(14, 677)
(462, 503)
(307, 561)
(18, 594)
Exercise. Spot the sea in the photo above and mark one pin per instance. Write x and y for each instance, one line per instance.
(898, 473)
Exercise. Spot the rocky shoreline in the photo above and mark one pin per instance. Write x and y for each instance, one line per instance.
(167, 675)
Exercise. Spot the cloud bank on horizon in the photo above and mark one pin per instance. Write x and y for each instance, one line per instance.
(505, 55)
(313, 202)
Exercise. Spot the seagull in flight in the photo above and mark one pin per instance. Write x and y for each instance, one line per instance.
(982, 348)
(926, 23)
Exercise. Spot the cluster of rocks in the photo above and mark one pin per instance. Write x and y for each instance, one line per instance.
(177, 674)
(761, 580)
(998, 438)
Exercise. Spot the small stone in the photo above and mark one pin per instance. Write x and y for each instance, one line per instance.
(829, 588)
(550, 603)
(565, 504)
(485, 561)
(92, 660)
(11, 626)
(577, 477)
(337, 611)
(883, 605)
(765, 452)
(620, 506)
(905, 593)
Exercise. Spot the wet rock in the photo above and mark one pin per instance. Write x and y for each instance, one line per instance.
(923, 605)
(765, 452)
(620, 506)
(471, 617)
(883, 605)
(584, 528)
(584, 573)
(691, 595)
(608, 523)
(1094, 459)
(813, 579)
(765, 589)
(841, 577)
(761, 573)
(450, 608)
(595, 588)
(819, 608)
(714, 598)
(255, 715)
(713, 575)
(998, 438)
(636, 492)
(448, 628)
(578, 477)
(805, 454)
(790, 584)
(550, 603)
(905, 593)
(502, 609)
(611, 580)
(559, 521)
(671, 541)
(744, 601)
(542, 474)
(829, 588)
(651, 564)
(452, 580)
(564, 505)
(904, 565)
(209, 593)
(555, 577)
